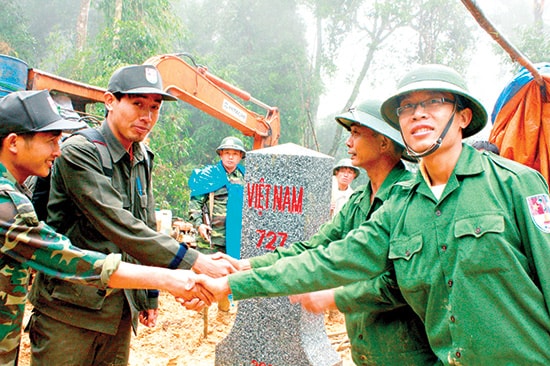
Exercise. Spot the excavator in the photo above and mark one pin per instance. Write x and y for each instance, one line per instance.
(191, 83)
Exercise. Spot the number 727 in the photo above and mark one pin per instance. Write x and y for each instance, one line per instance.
(271, 238)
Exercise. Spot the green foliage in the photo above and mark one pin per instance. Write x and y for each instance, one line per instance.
(245, 44)
(445, 33)
(15, 39)
(534, 43)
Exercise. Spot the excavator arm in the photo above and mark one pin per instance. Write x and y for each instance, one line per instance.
(191, 84)
(205, 91)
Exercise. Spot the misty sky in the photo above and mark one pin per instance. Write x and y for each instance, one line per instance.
(486, 77)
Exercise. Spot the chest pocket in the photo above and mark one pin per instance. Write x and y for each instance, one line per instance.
(482, 245)
(405, 248)
(479, 226)
(406, 253)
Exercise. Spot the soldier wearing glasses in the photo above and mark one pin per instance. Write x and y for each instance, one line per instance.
(467, 239)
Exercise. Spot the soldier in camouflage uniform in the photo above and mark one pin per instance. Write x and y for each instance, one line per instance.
(30, 129)
(216, 200)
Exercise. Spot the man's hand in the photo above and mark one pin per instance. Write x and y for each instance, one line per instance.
(180, 283)
(149, 317)
(204, 231)
(315, 302)
(184, 286)
(218, 287)
(208, 265)
(240, 265)
(182, 225)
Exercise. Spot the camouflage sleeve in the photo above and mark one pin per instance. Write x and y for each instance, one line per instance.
(36, 245)
(195, 209)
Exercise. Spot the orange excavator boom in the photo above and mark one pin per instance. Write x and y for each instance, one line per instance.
(207, 92)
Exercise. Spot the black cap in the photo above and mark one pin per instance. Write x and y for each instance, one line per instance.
(32, 111)
(138, 79)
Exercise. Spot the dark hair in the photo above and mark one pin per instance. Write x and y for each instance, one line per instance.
(482, 145)
(26, 135)
(460, 102)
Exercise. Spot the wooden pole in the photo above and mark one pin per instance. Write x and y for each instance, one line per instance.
(514, 53)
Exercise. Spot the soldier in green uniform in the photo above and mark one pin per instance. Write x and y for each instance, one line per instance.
(380, 333)
(113, 214)
(467, 240)
(30, 129)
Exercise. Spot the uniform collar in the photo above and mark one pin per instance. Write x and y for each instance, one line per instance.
(8, 178)
(399, 173)
(396, 175)
(6, 174)
(115, 147)
(469, 164)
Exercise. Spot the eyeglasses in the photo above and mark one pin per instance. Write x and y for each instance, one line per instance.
(429, 105)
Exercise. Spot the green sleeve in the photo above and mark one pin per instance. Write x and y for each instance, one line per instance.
(379, 294)
(361, 255)
(328, 232)
(535, 237)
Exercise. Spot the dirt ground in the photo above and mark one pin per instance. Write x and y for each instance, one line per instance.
(178, 340)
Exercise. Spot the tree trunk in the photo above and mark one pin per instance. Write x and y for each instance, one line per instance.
(116, 21)
(82, 24)
(538, 10)
(118, 10)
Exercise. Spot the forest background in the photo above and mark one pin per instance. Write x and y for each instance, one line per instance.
(310, 58)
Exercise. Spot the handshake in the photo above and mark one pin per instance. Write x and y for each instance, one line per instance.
(206, 283)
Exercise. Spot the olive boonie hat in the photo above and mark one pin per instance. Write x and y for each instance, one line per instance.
(345, 163)
(138, 79)
(231, 143)
(32, 111)
(435, 78)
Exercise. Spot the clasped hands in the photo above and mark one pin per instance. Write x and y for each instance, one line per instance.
(211, 284)
(206, 282)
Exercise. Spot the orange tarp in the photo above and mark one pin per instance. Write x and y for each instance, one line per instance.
(521, 129)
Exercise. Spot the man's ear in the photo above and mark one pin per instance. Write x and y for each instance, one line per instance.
(467, 115)
(11, 143)
(384, 143)
(109, 98)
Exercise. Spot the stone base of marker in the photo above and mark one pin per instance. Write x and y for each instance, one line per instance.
(287, 198)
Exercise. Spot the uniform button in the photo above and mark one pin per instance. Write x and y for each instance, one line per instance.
(457, 354)
(478, 230)
(437, 213)
(452, 319)
(450, 283)
(363, 357)
(360, 336)
(443, 247)
(407, 253)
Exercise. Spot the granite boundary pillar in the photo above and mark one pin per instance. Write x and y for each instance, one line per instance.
(286, 198)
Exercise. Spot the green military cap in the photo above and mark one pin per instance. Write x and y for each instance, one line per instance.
(231, 143)
(345, 163)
